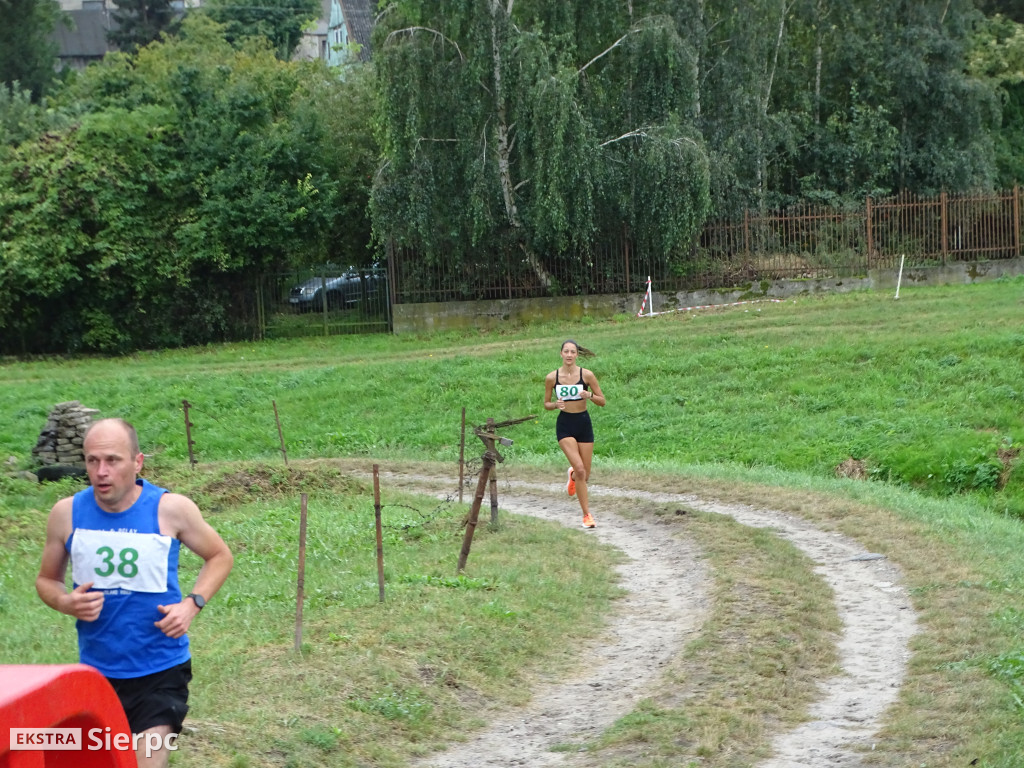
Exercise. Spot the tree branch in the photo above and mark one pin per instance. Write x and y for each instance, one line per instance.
(604, 52)
(643, 134)
(427, 138)
(639, 132)
(410, 30)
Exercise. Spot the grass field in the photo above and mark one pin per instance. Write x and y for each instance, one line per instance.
(757, 404)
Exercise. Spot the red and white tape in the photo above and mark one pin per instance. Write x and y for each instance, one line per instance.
(651, 313)
(647, 297)
(715, 306)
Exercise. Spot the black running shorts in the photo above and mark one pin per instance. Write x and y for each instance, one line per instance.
(576, 425)
(157, 699)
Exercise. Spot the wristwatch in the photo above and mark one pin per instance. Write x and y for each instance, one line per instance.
(198, 599)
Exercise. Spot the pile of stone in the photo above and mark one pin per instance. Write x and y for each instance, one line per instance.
(60, 442)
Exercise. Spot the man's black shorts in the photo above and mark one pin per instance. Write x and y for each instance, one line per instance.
(157, 699)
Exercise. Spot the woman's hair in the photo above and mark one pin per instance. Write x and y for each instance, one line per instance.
(582, 351)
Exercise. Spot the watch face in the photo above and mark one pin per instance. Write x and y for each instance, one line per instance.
(198, 600)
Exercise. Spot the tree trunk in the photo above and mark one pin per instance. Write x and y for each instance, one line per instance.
(504, 150)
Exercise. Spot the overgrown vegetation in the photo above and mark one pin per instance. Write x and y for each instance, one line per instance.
(159, 185)
(525, 133)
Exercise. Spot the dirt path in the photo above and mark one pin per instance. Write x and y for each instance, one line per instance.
(667, 596)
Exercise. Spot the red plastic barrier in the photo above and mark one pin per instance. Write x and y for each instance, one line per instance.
(61, 696)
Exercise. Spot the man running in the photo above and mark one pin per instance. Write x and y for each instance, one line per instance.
(122, 537)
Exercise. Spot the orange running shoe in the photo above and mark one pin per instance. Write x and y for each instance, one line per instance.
(588, 521)
(570, 487)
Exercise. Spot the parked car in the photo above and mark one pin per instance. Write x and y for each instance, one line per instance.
(344, 289)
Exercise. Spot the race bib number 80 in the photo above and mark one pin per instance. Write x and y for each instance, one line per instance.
(118, 560)
(569, 391)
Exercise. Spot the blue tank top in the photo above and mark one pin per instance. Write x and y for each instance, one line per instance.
(124, 554)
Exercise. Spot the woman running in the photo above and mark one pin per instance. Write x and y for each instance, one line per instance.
(572, 387)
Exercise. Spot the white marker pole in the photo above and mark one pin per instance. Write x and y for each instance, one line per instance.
(650, 298)
(899, 278)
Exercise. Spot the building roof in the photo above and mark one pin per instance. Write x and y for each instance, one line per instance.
(359, 19)
(86, 38)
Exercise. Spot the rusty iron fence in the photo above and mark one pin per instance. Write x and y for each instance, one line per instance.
(801, 241)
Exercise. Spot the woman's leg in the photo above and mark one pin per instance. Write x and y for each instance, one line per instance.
(587, 454)
(579, 455)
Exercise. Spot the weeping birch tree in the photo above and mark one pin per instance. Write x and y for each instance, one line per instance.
(523, 129)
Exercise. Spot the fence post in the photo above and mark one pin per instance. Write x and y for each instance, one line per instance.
(323, 296)
(867, 224)
(493, 483)
(943, 204)
(185, 404)
(1016, 220)
(746, 239)
(280, 434)
(380, 533)
(625, 250)
(261, 312)
(462, 453)
(474, 512)
(301, 581)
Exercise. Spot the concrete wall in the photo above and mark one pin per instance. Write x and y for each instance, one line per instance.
(456, 315)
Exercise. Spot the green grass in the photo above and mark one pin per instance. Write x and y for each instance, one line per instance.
(927, 390)
(374, 682)
(756, 405)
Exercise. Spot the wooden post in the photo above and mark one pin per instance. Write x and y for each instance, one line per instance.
(188, 435)
(280, 434)
(489, 436)
(302, 574)
(493, 482)
(380, 536)
(474, 512)
(494, 496)
(462, 454)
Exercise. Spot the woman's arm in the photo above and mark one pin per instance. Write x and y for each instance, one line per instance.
(549, 387)
(596, 395)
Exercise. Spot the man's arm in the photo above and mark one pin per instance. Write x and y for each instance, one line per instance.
(184, 518)
(80, 603)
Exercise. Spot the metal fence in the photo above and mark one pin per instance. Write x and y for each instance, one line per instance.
(323, 300)
(802, 241)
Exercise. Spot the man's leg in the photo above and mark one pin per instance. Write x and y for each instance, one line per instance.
(152, 747)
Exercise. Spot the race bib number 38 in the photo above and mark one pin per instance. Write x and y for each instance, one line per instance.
(117, 560)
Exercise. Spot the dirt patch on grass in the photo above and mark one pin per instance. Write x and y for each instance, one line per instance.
(855, 469)
(226, 486)
(1007, 457)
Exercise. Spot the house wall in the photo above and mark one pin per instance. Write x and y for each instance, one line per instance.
(464, 315)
